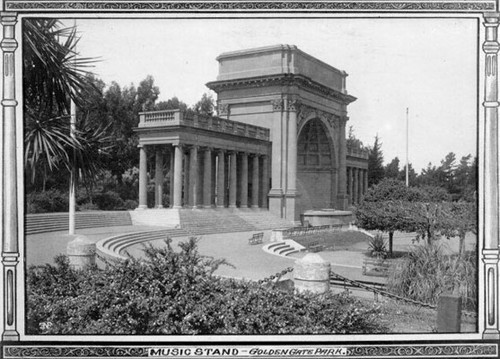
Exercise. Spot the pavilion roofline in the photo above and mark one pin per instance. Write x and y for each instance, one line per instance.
(281, 80)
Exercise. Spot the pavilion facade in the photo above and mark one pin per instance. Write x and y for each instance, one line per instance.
(277, 142)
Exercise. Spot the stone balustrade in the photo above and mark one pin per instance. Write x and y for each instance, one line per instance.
(211, 123)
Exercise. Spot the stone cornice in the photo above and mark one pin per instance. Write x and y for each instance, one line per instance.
(281, 80)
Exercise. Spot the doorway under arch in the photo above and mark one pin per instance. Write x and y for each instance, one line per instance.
(316, 180)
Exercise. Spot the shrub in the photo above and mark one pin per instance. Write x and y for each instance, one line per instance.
(130, 204)
(108, 200)
(52, 200)
(426, 273)
(175, 292)
(377, 246)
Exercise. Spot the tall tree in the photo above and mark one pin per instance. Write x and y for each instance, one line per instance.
(375, 163)
(205, 106)
(392, 169)
(53, 75)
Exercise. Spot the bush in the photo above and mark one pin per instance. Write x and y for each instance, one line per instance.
(108, 200)
(426, 273)
(130, 204)
(377, 246)
(52, 200)
(175, 292)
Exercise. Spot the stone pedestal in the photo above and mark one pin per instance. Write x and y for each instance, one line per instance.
(312, 274)
(81, 252)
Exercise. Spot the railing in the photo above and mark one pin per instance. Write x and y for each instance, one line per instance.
(357, 152)
(216, 124)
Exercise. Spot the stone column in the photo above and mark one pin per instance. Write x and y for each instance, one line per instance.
(185, 176)
(342, 187)
(159, 179)
(349, 185)
(244, 181)
(265, 181)
(207, 179)
(193, 176)
(365, 181)
(491, 178)
(171, 170)
(200, 184)
(255, 181)
(221, 185)
(177, 177)
(10, 245)
(356, 186)
(143, 178)
(291, 173)
(232, 180)
(276, 192)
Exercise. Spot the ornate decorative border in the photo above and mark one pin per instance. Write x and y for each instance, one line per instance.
(466, 350)
(13, 348)
(13, 5)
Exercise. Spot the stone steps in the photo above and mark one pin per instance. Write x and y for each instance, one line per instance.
(114, 247)
(52, 222)
(164, 217)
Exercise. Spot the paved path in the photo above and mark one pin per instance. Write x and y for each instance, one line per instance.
(249, 261)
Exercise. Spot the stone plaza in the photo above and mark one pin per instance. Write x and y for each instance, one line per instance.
(278, 141)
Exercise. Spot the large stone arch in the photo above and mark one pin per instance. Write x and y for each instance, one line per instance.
(317, 161)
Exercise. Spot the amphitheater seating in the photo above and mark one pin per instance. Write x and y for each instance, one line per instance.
(52, 222)
(114, 247)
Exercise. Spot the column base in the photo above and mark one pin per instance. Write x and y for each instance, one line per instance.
(254, 206)
(232, 206)
(10, 336)
(491, 334)
(221, 206)
(243, 206)
(141, 207)
(208, 206)
(275, 192)
(342, 201)
(159, 207)
(177, 207)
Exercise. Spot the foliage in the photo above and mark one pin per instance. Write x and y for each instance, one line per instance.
(205, 106)
(54, 75)
(375, 163)
(391, 206)
(392, 169)
(352, 141)
(176, 292)
(52, 200)
(377, 246)
(426, 273)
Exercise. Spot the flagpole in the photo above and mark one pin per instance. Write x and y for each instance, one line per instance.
(407, 137)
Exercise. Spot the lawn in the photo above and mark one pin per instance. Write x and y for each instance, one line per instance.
(333, 240)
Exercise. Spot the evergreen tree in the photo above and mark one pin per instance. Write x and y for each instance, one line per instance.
(392, 169)
(375, 163)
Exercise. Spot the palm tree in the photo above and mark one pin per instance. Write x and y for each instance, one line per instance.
(54, 76)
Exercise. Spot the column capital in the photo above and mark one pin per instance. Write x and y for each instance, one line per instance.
(8, 18)
(277, 105)
(293, 105)
(223, 109)
(491, 18)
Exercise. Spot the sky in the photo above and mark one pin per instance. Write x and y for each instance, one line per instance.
(426, 65)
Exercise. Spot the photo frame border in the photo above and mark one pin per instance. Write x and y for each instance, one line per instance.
(16, 345)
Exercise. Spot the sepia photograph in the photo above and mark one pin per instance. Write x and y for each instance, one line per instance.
(236, 179)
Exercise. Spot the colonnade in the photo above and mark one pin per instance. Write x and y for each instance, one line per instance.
(206, 177)
(357, 184)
